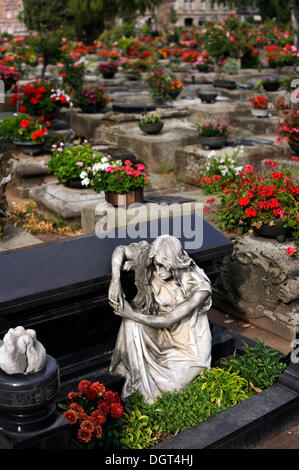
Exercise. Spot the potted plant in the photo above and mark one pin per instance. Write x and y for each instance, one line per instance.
(289, 129)
(73, 165)
(91, 100)
(281, 107)
(271, 83)
(266, 203)
(163, 87)
(213, 133)
(28, 133)
(108, 69)
(122, 183)
(202, 64)
(260, 106)
(150, 123)
(9, 75)
(41, 98)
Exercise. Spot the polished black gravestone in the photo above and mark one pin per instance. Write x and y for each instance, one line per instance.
(28, 412)
(60, 291)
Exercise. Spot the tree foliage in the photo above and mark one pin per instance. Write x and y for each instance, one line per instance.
(41, 15)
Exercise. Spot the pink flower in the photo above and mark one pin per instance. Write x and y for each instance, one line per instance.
(128, 162)
(291, 250)
(79, 163)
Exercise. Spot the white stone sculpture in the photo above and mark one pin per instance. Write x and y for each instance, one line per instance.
(21, 353)
(164, 340)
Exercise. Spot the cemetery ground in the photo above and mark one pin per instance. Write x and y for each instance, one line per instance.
(149, 122)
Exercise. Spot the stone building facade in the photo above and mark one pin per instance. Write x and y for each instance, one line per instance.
(9, 10)
(196, 12)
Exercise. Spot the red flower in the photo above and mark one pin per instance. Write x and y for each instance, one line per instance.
(99, 417)
(250, 212)
(24, 123)
(116, 410)
(84, 386)
(84, 435)
(71, 416)
(244, 201)
(34, 135)
(87, 425)
(22, 109)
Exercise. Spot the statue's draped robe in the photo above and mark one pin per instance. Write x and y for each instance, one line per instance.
(155, 360)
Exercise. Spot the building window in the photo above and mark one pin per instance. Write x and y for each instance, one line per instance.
(8, 14)
(175, 5)
(186, 5)
(188, 21)
(202, 5)
(191, 4)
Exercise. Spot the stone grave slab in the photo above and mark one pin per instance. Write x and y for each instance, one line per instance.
(62, 200)
(156, 151)
(15, 238)
(191, 160)
(28, 172)
(259, 284)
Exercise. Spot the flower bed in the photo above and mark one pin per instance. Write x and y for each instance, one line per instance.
(137, 425)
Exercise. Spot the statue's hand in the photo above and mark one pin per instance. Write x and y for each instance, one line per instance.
(115, 294)
(126, 311)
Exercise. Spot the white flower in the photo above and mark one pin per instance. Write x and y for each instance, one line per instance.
(83, 175)
(85, 182)
(105, 159)
(238, 169)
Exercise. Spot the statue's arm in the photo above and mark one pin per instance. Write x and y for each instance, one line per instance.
(119, 256)
(195, 300)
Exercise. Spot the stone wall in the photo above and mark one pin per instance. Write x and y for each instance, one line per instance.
(259, 283)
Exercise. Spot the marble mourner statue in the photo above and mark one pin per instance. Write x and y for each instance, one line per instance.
(164, 340)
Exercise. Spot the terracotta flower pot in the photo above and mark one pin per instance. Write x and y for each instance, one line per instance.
(124, 199)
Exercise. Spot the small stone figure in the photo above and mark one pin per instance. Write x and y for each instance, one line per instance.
(164, 340)
(21, 353)
(3, 200)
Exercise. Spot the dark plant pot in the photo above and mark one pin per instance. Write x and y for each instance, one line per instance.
(208, 96)
(203, 68)
(174, 95)
(51, 115)
(132, 77)
(75, 184)
(108, 75)
(277, 231)
(213, 142)
(229, 85)
(151, 128)
(271, 86)
(132, 108)
(91, 109)
(30, 148)
(295, 147)
(124, 199)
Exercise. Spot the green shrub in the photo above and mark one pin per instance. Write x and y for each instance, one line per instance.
(259, 365)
